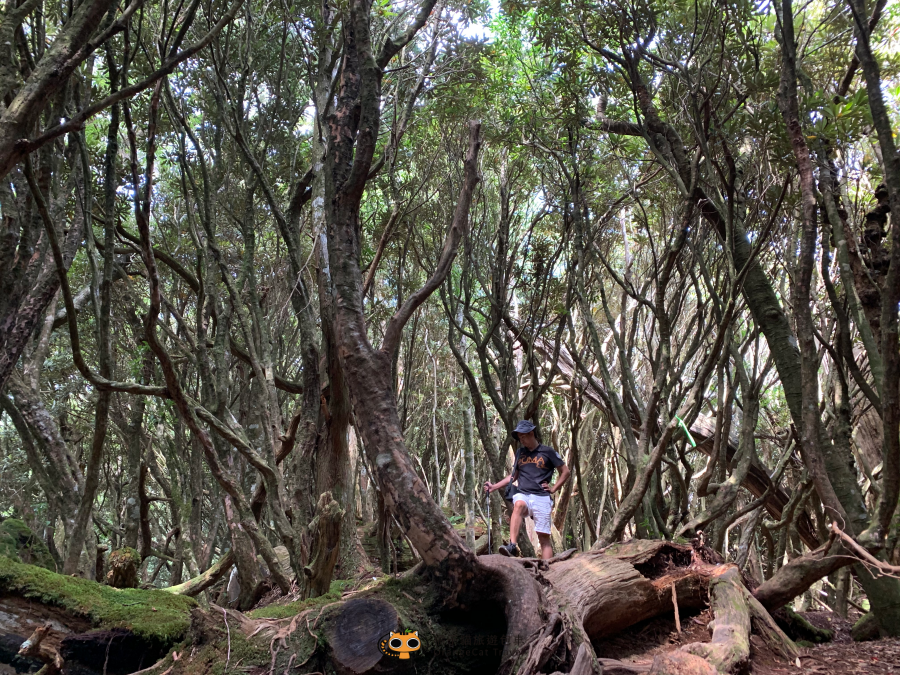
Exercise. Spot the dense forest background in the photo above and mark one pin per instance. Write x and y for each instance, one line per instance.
(268, 289)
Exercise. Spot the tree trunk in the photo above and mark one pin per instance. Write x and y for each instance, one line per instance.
(244, 558)
(353, 131)
(325, 546)
(828, 466)
(469, 482)
(334, 470)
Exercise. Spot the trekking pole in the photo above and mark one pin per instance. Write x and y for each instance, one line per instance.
(488, 512)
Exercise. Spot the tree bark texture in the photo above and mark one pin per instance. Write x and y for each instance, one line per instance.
(353, 130)
(325, 546)
(71, 46)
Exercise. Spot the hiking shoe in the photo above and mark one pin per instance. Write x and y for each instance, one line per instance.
(511, 550)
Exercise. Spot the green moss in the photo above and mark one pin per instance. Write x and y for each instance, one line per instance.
(201, 662)
(866, 628)
(18, 542)
(245, 653)
(294, 608)
(123, 556)
(411, 597)
(8, 546)
(799, 628)
(154, 615)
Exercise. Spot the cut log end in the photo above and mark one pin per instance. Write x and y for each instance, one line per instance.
(354, 631)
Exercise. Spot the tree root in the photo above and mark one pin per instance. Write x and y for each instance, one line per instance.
(736, 612)
(729, 649)
(799, 628)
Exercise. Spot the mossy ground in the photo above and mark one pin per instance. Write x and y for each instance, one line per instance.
(159, 617)
(283, 611)
(240, 654)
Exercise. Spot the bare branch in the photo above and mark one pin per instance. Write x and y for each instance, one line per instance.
(458, 228)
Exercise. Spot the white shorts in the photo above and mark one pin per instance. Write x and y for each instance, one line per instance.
(539, 508)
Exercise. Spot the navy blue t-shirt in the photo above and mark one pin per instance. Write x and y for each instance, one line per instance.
(533, 467)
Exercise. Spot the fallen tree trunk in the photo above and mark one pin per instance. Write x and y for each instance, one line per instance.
(517, 617)
(729, 649)
(201, 582)
(629, 583)
(736, 611)
(84, 627)
(589, 596)
(799, 574)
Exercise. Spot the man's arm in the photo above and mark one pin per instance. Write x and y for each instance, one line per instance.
(564, 473)
(492, 487)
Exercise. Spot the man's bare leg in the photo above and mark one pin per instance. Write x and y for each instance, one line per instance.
(546, 546)
(520, 510)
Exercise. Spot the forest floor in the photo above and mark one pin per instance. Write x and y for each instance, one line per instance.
(640, 643)
(842, 656)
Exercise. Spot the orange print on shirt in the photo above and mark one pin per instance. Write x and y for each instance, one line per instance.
(537, 461)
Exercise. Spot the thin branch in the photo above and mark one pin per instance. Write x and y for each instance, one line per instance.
(458, 228)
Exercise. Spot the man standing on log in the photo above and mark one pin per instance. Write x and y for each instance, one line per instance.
(533, 468)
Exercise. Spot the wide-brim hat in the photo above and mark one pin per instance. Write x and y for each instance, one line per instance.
(523, 427)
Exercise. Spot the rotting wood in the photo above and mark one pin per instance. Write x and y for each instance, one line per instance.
(729, 648)
(609, 594)
(675, 607)
(736, 612)
(354, 631)
(123, 568)
(34, 648)
(681, 663)
(201, 582)
(325, 547)
(615, 666)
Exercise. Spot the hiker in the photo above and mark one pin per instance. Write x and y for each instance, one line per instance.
(532, 468)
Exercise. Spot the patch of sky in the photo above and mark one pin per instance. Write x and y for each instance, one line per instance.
(479, 29)
(304, 126)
